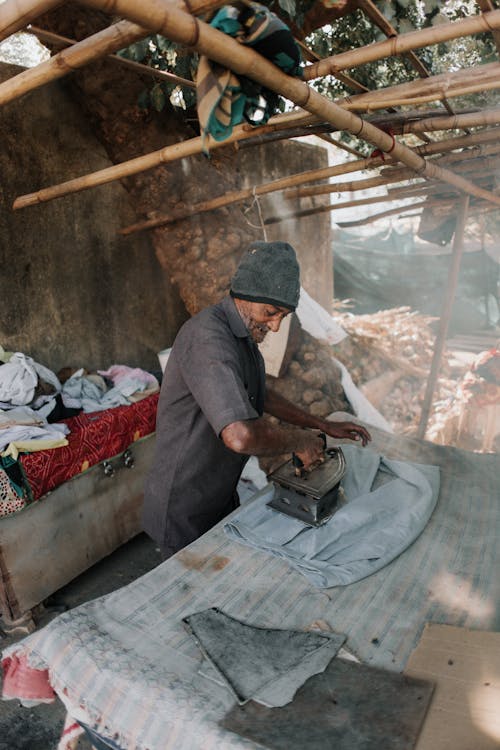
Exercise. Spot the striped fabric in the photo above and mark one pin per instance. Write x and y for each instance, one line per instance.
(125, 666)
(223, 99)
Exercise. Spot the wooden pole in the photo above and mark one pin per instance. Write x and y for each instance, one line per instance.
(299, 179)
(162, 17)
(404, 43)
(486, 6)
(392, 174)
(169, 154)
(388, 177)
(444, 321)
(104, 42)
(348, 204)
(383, 214)
(422, 91)
(378, 18)
(236, 196)
(469, 120)
(56, 39)
(16, 14)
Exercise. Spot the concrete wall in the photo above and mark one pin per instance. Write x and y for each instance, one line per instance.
(73, 292)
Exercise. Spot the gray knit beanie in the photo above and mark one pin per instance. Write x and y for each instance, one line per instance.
(268, 272)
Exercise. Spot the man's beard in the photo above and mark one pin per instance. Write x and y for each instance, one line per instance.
(258, 331)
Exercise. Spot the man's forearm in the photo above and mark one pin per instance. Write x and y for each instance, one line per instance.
(259, 437)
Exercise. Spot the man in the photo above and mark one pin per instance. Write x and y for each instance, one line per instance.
(212, 400)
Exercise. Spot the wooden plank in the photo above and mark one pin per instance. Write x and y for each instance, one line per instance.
(465, 666)
(52, 541)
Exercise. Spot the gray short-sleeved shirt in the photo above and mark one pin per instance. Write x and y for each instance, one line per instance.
(214, 376)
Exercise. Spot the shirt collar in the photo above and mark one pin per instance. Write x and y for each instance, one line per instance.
(235, 320)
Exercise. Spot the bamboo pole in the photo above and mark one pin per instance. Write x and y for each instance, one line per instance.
(468, 120)
(51, 38)
(444, 321)
(16, 14)
(287, 182)
(167, 155)
(293, 180)
(236, 196)
(104, 42)
(404, 43)
(396, 174)
(333, 207)
(162, 17)
(486, 6)
(342, 77)
(389, 212)
(423, 91)
(371, 10)
(463, 141)
(383, 214)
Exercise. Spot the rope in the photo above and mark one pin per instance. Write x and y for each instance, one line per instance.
(259, 209)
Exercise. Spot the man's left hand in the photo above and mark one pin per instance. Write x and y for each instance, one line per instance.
(347, 430)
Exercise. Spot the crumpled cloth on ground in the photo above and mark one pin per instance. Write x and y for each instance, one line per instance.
(224, 100)
(19, 378)
(388, 504)
(266, 665)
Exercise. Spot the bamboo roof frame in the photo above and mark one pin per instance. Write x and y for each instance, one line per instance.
(183, 28)
(283, 183)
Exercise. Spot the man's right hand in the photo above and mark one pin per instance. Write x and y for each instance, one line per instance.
(311, 451)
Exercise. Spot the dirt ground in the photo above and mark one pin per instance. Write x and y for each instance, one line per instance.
(39, 727)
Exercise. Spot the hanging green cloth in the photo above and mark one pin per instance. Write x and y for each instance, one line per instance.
(224, 100)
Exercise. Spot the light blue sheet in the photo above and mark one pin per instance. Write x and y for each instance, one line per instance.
(387, 505)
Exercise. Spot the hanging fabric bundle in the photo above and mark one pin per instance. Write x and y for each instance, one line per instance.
(224, 100)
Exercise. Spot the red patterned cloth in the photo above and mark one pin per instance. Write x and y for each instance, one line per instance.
(93, 438)
(25, 683)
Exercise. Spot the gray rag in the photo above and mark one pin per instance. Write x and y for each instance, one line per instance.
(263, 664)
(388, 504)
(268, 272)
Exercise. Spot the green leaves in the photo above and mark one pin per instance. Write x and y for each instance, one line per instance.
(137, 52)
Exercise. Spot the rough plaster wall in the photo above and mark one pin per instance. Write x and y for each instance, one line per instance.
(310, 235)
(73, 291)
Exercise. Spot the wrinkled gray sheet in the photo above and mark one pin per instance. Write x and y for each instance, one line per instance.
(388, 504)
(267, 665)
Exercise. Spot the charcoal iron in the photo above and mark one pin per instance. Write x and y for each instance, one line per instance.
(311, 497)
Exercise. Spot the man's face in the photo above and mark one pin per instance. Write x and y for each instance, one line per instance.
(261, 317)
